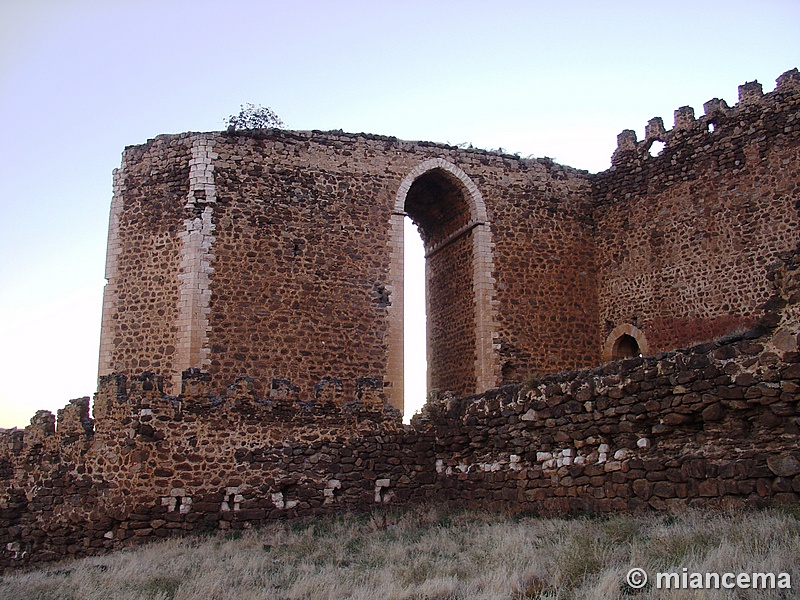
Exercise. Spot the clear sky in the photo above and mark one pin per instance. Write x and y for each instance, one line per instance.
(82, 79)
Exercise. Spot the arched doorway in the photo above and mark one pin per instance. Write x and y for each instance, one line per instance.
(625, 347)
(624, 341)
(449, 212)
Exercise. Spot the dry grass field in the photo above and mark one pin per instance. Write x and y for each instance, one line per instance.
(430, 553)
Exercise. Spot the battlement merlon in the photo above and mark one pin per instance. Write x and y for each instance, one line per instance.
(750, 94)
(684, 118)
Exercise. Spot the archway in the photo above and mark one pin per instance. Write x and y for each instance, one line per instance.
(625, 347)
(450, 214)
(624, 341)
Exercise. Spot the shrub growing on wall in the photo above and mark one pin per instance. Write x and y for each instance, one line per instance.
(254, 117)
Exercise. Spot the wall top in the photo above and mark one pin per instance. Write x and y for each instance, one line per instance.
(751, 96)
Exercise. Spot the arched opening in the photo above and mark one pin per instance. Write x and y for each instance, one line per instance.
(624, 341)
(437, 205)
(448, 212)
(626, 346)
(414, 326)
(656, 148)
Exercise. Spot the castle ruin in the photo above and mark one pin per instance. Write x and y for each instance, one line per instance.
(251, 355)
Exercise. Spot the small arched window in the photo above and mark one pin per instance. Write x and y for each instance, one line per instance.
(624, 341)
(626, 346)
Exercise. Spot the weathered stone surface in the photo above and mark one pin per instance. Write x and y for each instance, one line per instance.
(784, 465)
(276, 254)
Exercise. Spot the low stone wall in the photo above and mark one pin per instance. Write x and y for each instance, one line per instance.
(712, 425)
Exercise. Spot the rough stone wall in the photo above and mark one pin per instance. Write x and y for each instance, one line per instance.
(451, 329)
(546, 286)
(141, 303)
(298, 292)
(272, 254)
(684, 237)
(713, 425)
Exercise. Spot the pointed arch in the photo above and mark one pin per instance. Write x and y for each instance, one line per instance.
(476, 203)
(622, 337)
(446, 190)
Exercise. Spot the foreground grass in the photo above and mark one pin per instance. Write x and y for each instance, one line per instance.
(437, 555)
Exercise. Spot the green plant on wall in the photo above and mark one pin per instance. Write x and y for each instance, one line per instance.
(253, 116)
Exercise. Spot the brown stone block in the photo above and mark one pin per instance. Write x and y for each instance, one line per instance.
(784, 409)
(694, 468)
(642, 488)
(730, 392)
(786, 498)
(784, 465)
(621, 490)
(673, 419)
(656, 476)
(791, 372)
(252, 514)
(708, 488)
(619, 477)
(725, 352)
(782, 484)
(142, 532)
(663, 489)
(424, 478)
(713, 412)
(764, 487)
(674, 474)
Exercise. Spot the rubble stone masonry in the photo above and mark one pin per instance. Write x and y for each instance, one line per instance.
(714, 425)
(684, 238)
(251, 352)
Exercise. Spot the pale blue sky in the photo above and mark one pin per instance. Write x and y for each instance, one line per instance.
(81, 79)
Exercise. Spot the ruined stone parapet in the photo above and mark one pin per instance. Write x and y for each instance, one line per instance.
(715, 105)
(249, 361)
(752, 106)
(681, 229)
(714, 425)
(750, 93)
(789, 82)
(684, 118)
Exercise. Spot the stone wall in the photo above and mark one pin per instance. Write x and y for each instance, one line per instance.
(275, 254)
(143, 266)
(712, 425)
(684, 237)
(278, 254)
(251, 353)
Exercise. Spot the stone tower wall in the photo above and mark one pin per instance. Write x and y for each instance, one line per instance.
(715, 425)
(276, 253)
(684, 237)
(141, 305)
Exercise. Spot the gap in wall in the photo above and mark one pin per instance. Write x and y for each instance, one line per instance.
(414, 321)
